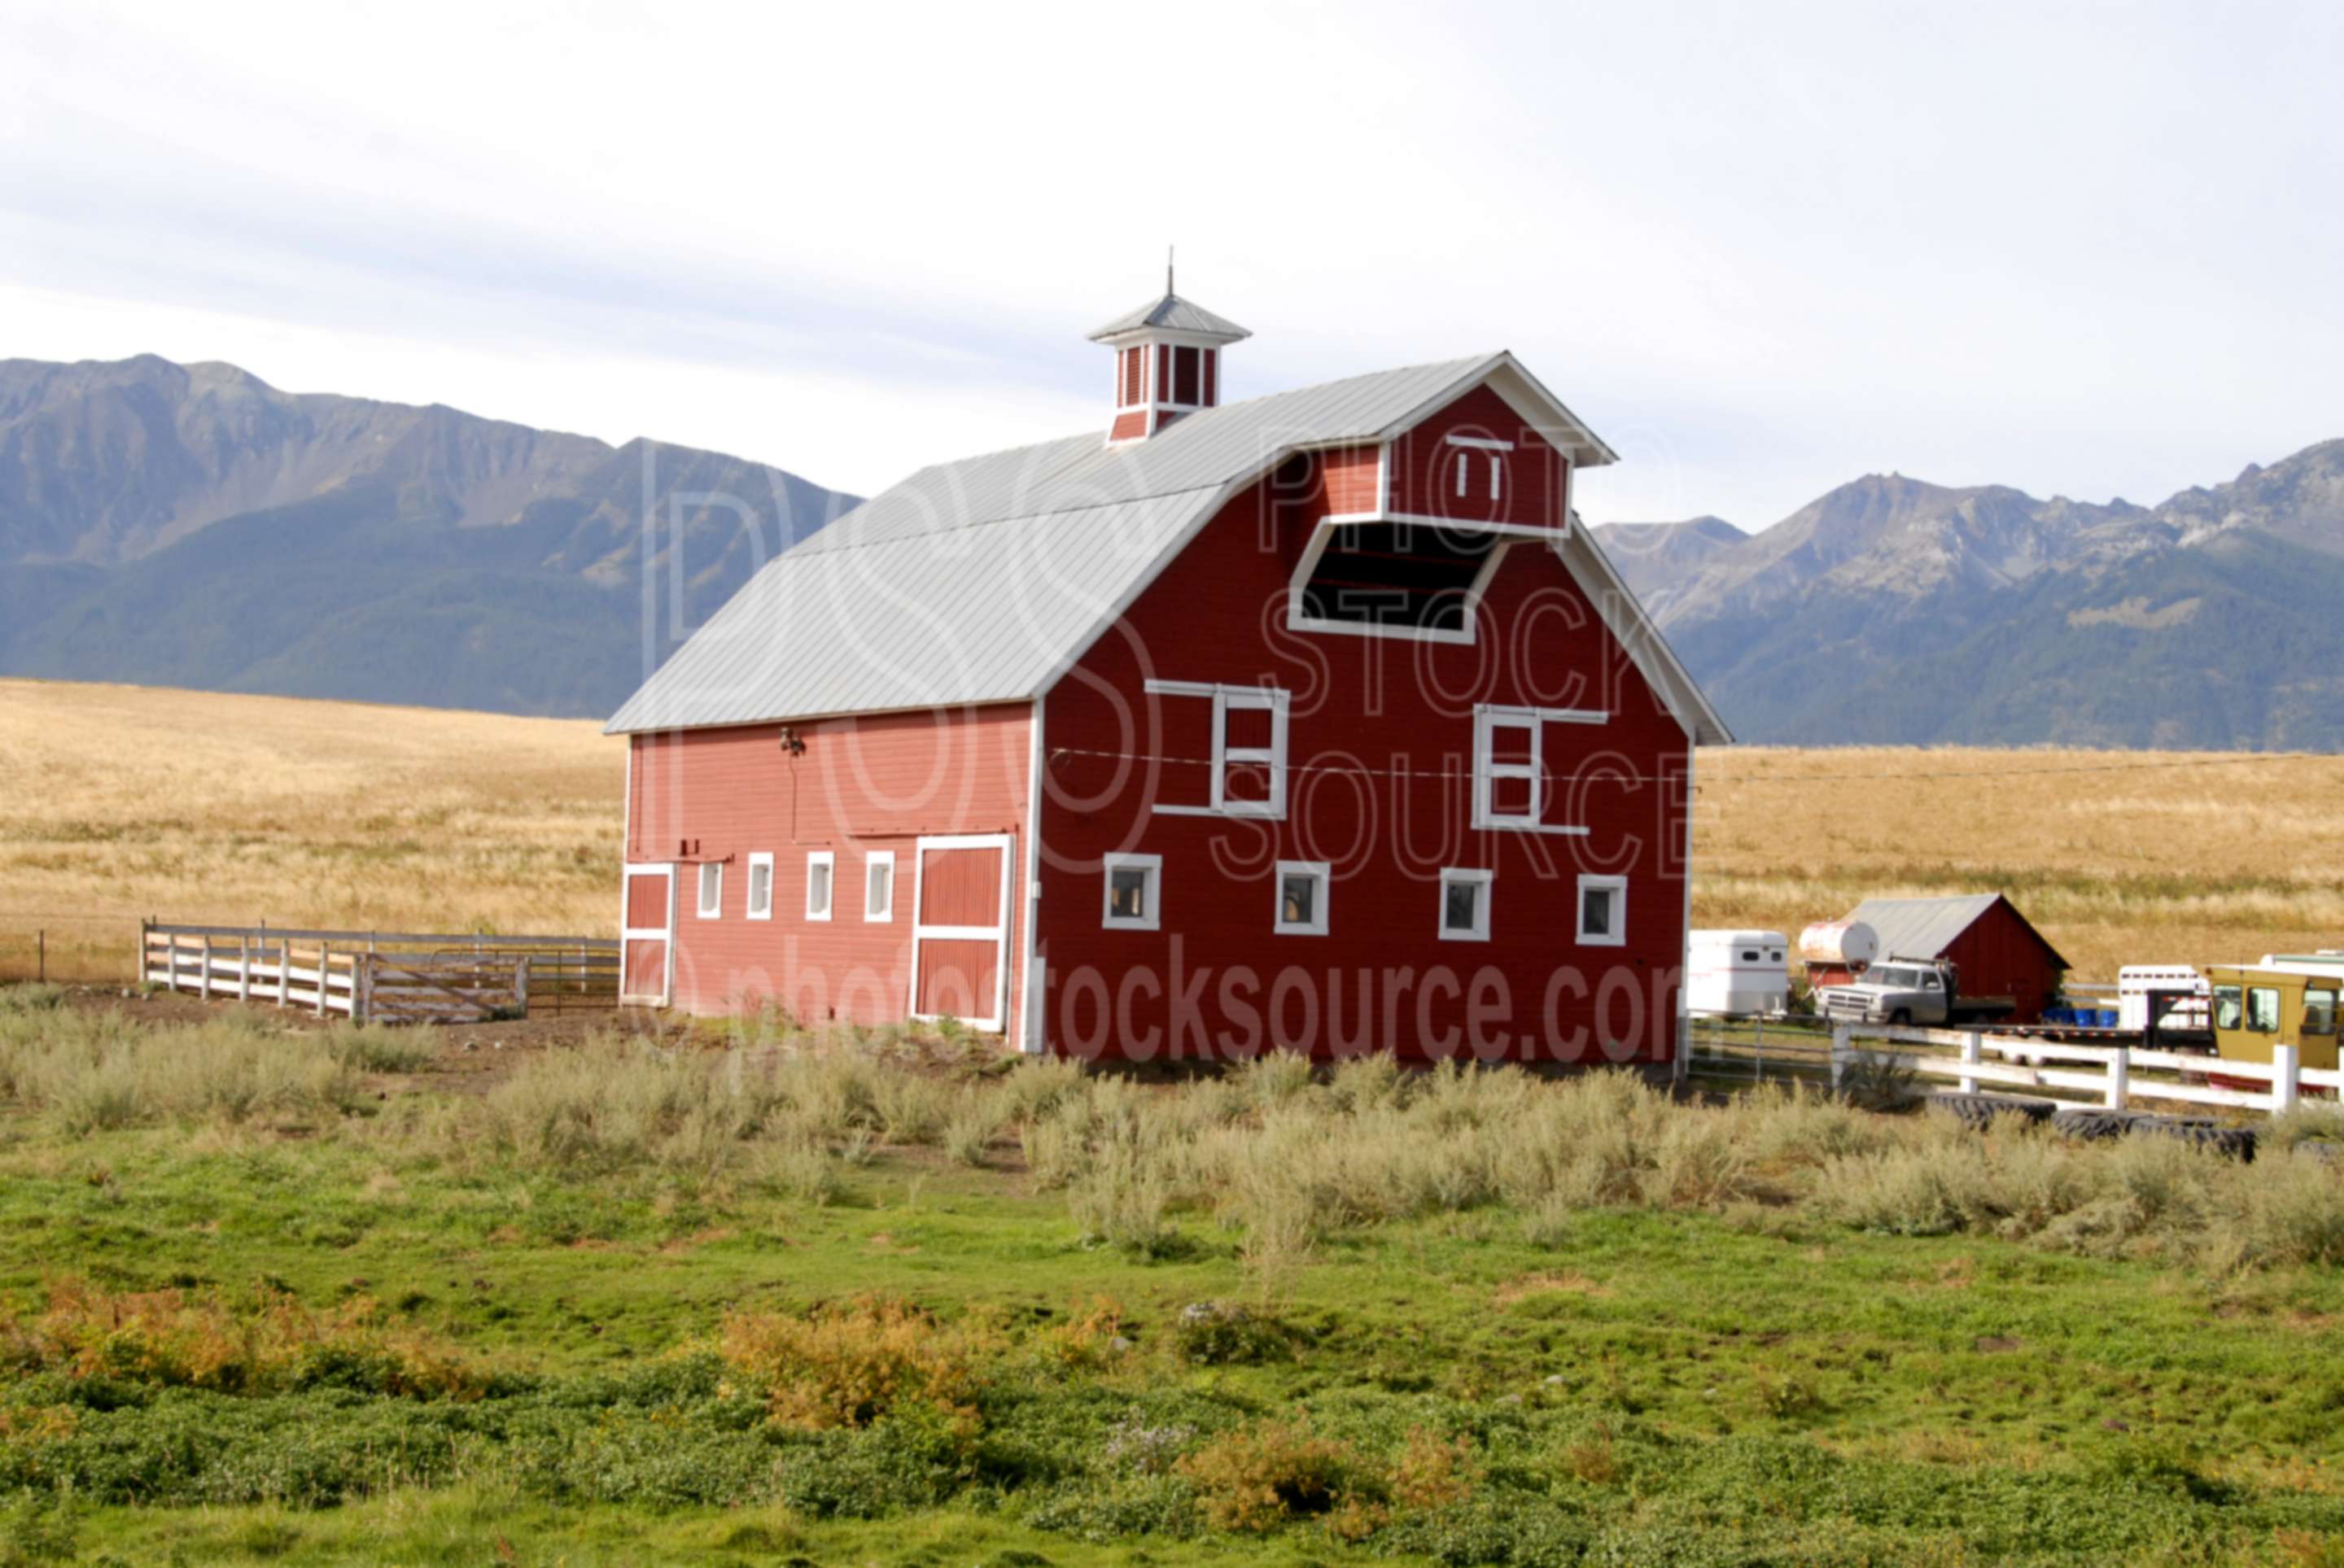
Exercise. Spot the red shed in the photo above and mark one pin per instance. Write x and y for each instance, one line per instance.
(1316, 721)
(1994, 950)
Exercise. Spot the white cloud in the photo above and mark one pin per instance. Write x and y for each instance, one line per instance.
(1763, 248)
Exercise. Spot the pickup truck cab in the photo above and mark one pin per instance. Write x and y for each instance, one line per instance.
(1893, 990)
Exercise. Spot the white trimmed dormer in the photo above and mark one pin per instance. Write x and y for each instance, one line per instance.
(1167, 363)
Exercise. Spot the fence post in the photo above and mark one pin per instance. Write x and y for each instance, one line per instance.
(243, 966)
(2119, 1077)
(1839, 1053)
(1973, 1046)
(1758, 1037)
(520, 987)
(208, 970)
(362, 988)
(324, 952)
(2286, 1081)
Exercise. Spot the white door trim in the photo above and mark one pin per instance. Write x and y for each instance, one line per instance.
(628, 933)
(998, 932)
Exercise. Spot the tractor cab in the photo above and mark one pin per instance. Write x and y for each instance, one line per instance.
(2254, 1008)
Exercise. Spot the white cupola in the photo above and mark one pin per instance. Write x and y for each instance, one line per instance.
(1168, 362)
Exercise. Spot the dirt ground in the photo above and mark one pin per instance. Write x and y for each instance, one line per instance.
(465, 1056)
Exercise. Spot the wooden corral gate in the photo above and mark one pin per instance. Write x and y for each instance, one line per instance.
(377, 977)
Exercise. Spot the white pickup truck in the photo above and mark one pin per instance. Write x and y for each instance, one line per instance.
(1922, 993)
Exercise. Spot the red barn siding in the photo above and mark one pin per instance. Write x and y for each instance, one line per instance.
(1215, 973)
(2001, 955)
(1353, 479)
(1534, 491)
(1128, 426)
(876, 782)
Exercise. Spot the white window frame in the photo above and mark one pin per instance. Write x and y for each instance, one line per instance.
(1618, 887)
(1454, 876)
(1225, 699)
(704, 907)
(1323, 537)
(761, 861)
(828, 860)
(1497, 451)
(870, 862)
(1317, 925)
(1152, 903)
(1489, 718)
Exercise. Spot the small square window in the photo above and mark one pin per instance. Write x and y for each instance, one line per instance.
(1134, 892)
(1465, 904)
(1302, 887)
(712, 890)
(879, 886)
(1602, 911)
(818, 870)
(761, 886)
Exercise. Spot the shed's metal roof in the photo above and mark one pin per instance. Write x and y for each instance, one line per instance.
(1925, 927)
(982, 580)
(1177, 314)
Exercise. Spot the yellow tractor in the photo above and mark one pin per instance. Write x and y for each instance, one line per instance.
(2282, 1001)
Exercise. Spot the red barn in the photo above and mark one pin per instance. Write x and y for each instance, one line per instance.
(1316, 721)
(1994, 950)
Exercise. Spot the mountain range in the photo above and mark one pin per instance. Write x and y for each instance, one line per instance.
(1893, 611)
(190, 525)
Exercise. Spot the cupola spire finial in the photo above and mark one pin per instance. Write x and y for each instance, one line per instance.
(1168, 289)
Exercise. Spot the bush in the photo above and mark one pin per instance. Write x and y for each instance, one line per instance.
(848, 1365)
(1260, 1477)
(266, 1342)
(1220, 1333)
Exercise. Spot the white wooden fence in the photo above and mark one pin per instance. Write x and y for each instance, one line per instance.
(2110, 1075)
(353, 981)
(2116, 1076)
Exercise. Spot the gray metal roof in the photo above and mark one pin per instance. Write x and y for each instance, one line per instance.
(982, 580)
(1177, 314)
(975, 582)
(1925, 927)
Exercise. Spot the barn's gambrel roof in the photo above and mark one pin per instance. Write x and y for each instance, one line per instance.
(984, 580)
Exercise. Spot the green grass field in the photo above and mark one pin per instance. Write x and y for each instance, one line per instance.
(307, 1297)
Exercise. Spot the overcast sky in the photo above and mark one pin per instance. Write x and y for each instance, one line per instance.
(2084, 249)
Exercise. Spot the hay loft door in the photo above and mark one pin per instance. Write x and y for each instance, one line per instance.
(646, 937)
(960, 929)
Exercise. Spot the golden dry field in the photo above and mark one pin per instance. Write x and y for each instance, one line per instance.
(2117, 857)
(120, 801)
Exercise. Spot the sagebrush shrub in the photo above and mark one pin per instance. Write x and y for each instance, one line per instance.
(1261, 1476)
(849, 1364)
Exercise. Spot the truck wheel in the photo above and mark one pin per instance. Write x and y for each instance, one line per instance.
(1900, 1018)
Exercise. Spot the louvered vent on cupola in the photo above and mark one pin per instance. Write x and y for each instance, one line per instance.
(1168, 362)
